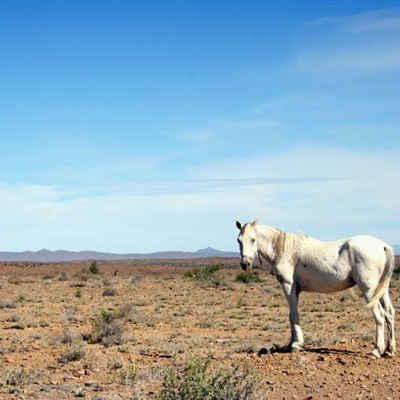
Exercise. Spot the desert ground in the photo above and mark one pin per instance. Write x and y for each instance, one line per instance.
(69, 331)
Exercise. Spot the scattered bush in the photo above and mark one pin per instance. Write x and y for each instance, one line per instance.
(12, 303)
(71, 314)
(207, 276)
(110, 292)
(395, 276)
(13, 379)
(108, 326)
(86, 274)
(63, 277)
(248, 277)
(66, 337)
(15, 317)
(197, 382)
(127, 375)
(74, 352)
(14, 280)
(94, 269)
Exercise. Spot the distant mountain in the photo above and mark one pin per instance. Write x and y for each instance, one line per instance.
(45, 255)
(209, 251)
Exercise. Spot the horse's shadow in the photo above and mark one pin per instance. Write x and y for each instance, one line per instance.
(318, 350)
(327, 350)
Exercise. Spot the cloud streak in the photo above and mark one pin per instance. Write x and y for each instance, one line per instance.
(178, 187)
(383, 20)
(325, 192)
(368, 43)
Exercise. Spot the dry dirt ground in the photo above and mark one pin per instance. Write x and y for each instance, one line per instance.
(48, 346)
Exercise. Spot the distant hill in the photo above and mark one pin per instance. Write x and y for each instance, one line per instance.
(45, 255)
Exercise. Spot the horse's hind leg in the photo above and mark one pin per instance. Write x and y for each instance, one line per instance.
(379, 315)
(389, 317)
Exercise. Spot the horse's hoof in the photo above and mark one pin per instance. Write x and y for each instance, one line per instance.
(388, 354)
(264, 351)
(375, 353)
(295, 349)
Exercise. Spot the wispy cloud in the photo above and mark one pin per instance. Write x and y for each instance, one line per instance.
(368, 43)
(174, 188)
(361, 58)
(324, 191)
(387, 19)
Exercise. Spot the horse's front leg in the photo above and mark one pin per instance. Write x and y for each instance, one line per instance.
(292, 297)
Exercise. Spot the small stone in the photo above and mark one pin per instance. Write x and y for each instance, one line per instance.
(91, 383)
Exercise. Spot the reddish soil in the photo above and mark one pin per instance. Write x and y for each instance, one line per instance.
(48, 314)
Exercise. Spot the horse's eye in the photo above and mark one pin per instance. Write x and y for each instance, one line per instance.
(253, 240)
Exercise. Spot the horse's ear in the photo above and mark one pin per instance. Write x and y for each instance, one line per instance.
(239, 225)
(254, 222)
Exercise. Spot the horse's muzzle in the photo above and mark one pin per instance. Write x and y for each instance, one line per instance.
(246, 263)
(245, 266)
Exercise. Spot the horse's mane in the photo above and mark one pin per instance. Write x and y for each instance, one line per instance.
(283, 242)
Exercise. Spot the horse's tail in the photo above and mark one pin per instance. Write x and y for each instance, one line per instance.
(383, 284)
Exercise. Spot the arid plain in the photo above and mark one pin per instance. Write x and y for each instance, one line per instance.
(55, 343)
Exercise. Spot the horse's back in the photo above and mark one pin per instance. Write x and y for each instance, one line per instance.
(368, 248)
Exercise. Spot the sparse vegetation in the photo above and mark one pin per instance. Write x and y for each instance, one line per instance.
(108, 327)
(13, 379)
(199, 382)
(94, 268)
(110, 292)
(137, 344)
(12, 303)
(207, 276)
(87, 274)
(127, 375)
(75, 351)
(248, 277)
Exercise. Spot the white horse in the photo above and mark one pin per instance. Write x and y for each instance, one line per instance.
(303, 264)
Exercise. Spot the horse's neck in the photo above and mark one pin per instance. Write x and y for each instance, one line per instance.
(269, 243)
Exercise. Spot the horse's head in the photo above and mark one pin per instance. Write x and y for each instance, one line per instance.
(248, 245)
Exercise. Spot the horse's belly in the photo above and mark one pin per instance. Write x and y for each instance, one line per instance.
(310, 279)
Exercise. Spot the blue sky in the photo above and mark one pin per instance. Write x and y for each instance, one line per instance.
(131, 126)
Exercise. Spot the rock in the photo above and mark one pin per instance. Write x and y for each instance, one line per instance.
(91, 383)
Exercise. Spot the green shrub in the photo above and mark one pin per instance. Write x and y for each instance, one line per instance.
(94, 269)
(395, 276)
(197, 382)
(207, 276)
(248, 277)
